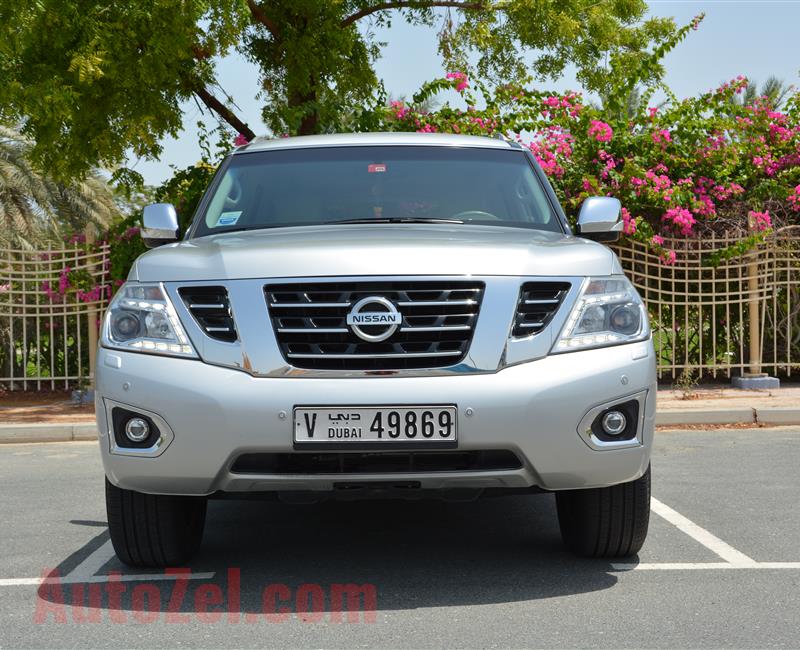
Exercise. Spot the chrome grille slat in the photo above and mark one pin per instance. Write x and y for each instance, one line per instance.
(435, 303)
(312, 330)
(210, 308)
(310, 304)
(440, 328)
(537, 304)
(439, 318)
(398, 355)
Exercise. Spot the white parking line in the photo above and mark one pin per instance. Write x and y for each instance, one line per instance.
(86, 573)
(733, 559)
(137, 577)
(19, 582)
(689, 566)
(711, 542)
(93, 563)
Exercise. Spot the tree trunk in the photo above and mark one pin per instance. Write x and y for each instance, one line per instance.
(309, 124)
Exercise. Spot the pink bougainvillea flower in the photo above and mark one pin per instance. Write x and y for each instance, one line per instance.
(600, 131)
(63, 280)
(760, 221)
(551, 148)
(661, 137)
(240, 140)
(460, 80)
(400, 109)
(794, 199)
(658, 240)
(681, 219)
(427, 128)
(669, 258)
(629, 223)
(52, 296)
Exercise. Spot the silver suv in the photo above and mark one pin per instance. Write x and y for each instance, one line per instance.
(377, 315)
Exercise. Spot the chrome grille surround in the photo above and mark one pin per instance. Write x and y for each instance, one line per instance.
(257, 352)
(438, 321)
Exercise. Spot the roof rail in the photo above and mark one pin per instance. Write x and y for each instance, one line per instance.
(499, 135)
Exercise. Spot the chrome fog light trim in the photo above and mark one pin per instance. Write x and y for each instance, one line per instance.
(587, 428)
(165, 433)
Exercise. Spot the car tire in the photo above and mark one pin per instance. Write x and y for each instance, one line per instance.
(605, 522)
(149, 530)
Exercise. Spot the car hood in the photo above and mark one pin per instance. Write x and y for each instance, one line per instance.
(375, 249)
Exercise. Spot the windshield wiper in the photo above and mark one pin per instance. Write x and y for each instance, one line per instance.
(394, 220)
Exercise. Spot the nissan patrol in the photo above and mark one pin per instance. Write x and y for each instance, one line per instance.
(392, 315)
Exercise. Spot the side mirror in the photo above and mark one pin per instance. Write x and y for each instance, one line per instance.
(159, 225)
(599, 219)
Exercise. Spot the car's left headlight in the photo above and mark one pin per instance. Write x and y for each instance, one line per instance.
(608, 311)
(141, 318)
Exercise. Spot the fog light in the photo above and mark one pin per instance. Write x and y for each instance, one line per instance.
(614, 423)
(137, 429)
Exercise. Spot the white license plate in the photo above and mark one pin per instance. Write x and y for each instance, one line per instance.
(351, 425)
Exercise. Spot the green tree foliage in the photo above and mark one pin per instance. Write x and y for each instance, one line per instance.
(35, 208)
(183, 189)
(91, 80)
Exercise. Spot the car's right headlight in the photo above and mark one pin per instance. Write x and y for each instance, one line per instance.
(141, 318)
(608, 311)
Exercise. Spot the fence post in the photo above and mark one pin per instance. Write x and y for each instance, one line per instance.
(753, 317)
(755, 378)
(91, 318)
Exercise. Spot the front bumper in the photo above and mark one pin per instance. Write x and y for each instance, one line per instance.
(534, 409)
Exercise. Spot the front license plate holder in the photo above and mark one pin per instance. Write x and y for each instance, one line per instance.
(354, 428)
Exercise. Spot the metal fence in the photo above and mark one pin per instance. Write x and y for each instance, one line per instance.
(48, 336)
(741, 316)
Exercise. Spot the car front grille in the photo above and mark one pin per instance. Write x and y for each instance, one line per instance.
(211, 310)
(538, 303)
(438, 320)
(377, 462)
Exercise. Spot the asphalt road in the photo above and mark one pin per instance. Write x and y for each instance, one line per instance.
(488, 574)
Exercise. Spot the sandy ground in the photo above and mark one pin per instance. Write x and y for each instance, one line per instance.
(718, 397)
(21, 407)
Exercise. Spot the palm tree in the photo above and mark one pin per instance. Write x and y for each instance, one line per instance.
(775, 90)
(35, 208)
(634, 103)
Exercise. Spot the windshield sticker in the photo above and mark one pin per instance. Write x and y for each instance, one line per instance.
(376, 167)
(228, 218)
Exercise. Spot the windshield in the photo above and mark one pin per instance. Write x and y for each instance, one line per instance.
(384, 184)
